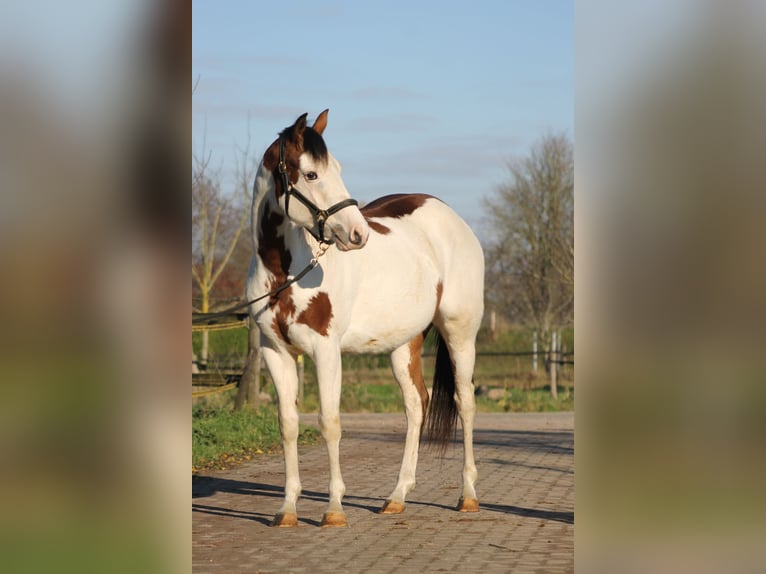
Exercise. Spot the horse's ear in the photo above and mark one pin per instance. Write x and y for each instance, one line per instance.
(294, 134)
(299, 127)
(321, 122)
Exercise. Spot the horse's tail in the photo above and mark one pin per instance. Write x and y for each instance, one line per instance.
(441, 420)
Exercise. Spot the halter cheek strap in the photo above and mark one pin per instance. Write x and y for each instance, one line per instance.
(320, 216)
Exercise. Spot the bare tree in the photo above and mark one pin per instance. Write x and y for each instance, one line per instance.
(218, 219)
(530, 254)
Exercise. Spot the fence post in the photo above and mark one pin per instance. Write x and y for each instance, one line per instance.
(534, 352)
(554, 365)
(203, 352)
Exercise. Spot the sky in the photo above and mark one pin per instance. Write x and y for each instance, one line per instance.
(424, 96)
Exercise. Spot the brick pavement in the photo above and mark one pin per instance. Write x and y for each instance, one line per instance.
(525, 487)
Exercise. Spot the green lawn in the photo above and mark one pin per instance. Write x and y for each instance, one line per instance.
(222, 437)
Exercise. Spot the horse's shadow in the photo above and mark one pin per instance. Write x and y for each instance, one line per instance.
(205, 486)
(565, 517)
(228, 512)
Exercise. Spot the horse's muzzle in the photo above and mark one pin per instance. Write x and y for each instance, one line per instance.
(357, 238)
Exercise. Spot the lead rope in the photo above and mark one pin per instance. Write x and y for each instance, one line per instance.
(198, 318)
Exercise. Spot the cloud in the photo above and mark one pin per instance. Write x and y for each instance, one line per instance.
(462, 157)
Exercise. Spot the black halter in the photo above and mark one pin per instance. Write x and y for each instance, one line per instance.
(319, 215)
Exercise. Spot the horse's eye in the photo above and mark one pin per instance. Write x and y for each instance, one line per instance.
(311, 175)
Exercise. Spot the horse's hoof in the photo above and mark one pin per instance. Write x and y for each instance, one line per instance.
(468, 505)
(285, 520)
(333, 519)
(392, 507)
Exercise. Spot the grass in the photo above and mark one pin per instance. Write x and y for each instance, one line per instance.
(375, 391)
(223, 342)
(369, 385)
(536, 400)
(222, 437)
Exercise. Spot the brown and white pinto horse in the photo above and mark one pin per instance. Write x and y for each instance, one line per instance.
(403, 263)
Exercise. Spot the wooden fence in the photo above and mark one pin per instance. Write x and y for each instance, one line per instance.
(242, 368)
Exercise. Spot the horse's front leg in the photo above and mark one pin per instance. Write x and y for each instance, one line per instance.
(283, 371)
(328, 363)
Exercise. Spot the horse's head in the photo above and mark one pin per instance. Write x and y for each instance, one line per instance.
(310, 189)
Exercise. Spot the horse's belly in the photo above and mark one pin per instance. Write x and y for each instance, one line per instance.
(397, 290)
(383, 333)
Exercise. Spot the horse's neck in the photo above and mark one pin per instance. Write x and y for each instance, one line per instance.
(278, 243)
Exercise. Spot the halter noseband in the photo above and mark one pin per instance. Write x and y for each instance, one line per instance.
(320, 215)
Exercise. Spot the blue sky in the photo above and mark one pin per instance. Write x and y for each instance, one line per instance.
(429, 96)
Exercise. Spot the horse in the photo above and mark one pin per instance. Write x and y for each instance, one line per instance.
(370, 280)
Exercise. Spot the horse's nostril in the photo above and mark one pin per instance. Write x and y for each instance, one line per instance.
(356, 237)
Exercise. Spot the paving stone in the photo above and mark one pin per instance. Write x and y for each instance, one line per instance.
(525, 486)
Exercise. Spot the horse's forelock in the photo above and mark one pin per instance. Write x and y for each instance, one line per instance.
(314, 145)
(311, 142)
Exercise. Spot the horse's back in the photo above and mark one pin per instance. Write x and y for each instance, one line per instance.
(412, 218)
(421, 260)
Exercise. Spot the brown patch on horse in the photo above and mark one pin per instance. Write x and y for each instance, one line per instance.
(317, 314)
(271, 245)
(415, 368)
(397, 205)
(271, 156)
(271, 162)
(277, 259)
(378, 227)
(280, 329)
(284, 310)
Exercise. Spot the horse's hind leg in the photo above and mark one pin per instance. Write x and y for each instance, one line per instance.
(461, 342)
(407, 366)
(466, 404)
